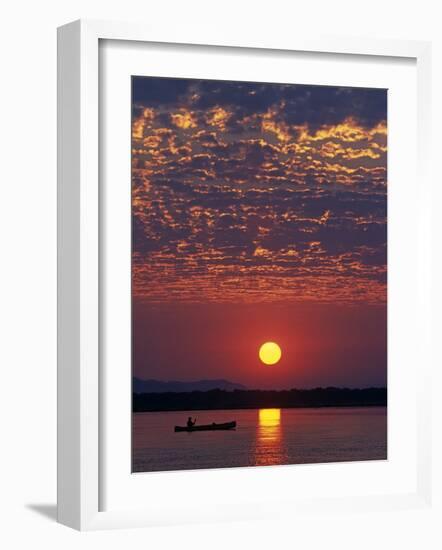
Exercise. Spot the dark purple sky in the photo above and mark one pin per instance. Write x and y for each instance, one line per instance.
(259, 213)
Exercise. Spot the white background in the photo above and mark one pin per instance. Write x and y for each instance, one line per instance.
(28, 277)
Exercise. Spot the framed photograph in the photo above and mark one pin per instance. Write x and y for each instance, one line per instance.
(259, 274)
(243, 276)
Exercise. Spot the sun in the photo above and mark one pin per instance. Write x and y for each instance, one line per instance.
(270, 353)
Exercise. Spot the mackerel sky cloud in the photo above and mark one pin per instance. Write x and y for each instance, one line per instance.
(258, 193)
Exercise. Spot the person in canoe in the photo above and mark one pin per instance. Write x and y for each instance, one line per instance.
(191, 422)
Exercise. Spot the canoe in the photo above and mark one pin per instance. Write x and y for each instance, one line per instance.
(204, 427)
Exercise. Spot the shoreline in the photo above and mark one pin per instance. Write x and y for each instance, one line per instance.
(258, 399)
(350, 406)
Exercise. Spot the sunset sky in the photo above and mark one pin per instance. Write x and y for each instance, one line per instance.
(259, 213)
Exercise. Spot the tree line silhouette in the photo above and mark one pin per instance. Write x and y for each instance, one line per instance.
(258, 399)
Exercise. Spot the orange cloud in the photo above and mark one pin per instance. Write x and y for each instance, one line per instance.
(184, 119)
(141, 122)
(280, 129)
(218, 117)
(348, 131)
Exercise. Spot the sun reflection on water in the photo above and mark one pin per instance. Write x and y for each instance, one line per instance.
(269, 449)
(269, 417)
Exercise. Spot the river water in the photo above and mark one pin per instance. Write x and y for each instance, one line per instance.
(263, 437)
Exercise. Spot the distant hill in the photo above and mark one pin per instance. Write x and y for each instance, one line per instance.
(158, 386)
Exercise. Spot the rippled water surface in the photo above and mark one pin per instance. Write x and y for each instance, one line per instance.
(262, 437)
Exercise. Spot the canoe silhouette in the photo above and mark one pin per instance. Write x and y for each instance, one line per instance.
(205, 427)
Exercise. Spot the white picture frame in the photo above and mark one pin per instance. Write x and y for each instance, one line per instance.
(79, 265)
